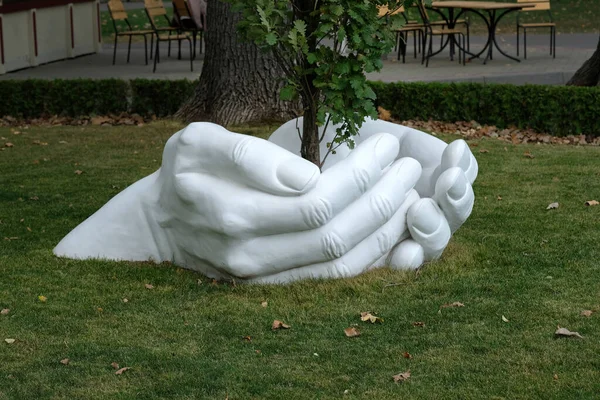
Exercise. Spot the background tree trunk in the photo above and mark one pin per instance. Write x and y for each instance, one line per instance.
(239, 83)
(589, 73)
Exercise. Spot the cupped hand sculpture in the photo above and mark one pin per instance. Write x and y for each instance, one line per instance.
(237, 207)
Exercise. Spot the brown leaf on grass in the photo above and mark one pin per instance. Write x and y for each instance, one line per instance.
(277, 324)
(351, 331)
(586, 313)
(504, 319)
(125, 300)
(528, 154)
(567, 333)
(384, 114)
(552, 206)
(555, 377)
(455, 304)
(246, 338)
(264, 304)
(499, 198)
(484, 151)
(65, 361)
(78, 172)
(401, 377)
(114, 365)
(406, 354)
(100, 120)
(592, 203)
(419, 324)
(367, 316)
(10, 341)
(9, 144)
(5, 311)
(148, 286)
(120, 371)
(42, 299)
(34, 198)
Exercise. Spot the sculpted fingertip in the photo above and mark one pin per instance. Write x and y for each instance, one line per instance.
(426, 214)
(458, 190)
(297, 174)
(386, 150)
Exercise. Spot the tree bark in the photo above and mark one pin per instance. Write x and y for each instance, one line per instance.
(589, 73)
(239, 83)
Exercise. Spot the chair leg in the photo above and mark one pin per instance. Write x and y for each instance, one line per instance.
(468, 38)
(169, 52)
(525, 43)
(151, 44)
(415, 43)
(115, 50)
(517, 40)
(129, 49)
(157, 53)
(191, 56)
(200, 44)
(429, 51)
(179, 49)
(554, 42)
(195, 33)
(145, 49)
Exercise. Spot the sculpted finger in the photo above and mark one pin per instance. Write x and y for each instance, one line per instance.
(407, 255)
(458, 154)
(358, 259)
(275, 253)
(428, 227)
(455, 196)
(204, 147)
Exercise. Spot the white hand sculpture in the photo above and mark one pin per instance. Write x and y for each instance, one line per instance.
(234, 206)
(448, 172)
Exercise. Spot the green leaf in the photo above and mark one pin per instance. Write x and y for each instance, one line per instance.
(288, 92)
(271, 38)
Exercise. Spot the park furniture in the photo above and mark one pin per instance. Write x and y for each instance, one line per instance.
(402, 33)
(117, 13)
(155, 9)
(538, 5)
(490, 11)
(454, 37)
(186, 22)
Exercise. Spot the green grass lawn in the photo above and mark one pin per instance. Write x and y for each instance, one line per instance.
(184, 339)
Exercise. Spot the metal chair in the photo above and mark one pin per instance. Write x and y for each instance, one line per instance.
(430, 32)
(117, 13)
(155, 9)
(540, 5)
(186, 22)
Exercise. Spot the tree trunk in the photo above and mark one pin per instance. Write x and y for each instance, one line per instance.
(239, 83)
(589, 73)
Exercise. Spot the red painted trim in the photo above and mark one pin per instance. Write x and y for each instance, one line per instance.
(1, 42)
(24, 5)
(99, 26)
(72, 29)
(35, 33)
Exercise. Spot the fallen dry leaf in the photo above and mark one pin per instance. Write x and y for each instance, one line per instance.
(592, 203)
(65, 361)
(125, 301)
(120, 371)
(555, 377)
(367, 316)
(552, 206)
(246, 338)
(8, 144)
(148, 286)
(264, 304)
(277, 324)
(499, 198)
(528, 154)
(9, 341)
(484, 151)
(351, 332)
(114, 365)
(384, 114)
(504, 319)
(586, 313)
(5, 311)
(78, 172)
(406, 354)
(401, 377)
(43, 299)
(419, 323)
(567, 333)
(455, 304)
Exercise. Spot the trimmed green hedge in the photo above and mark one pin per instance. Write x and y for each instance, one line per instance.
(558, 110)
